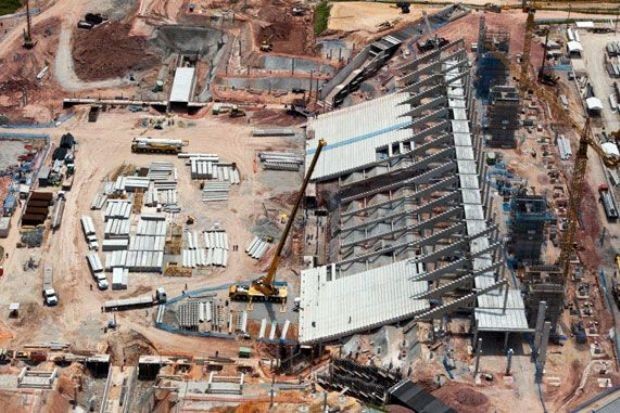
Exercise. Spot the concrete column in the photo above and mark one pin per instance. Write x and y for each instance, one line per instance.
(506, 336)
(509, 361)
(478, 353)
(475, 331)
(540, 319)
(542, 355)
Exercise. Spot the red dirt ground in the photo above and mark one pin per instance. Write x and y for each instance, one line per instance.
(108, 51)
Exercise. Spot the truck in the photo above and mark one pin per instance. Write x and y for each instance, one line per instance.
(49, 294)
(609, 204)
(136, 302)
(96, 270)
(151, 145)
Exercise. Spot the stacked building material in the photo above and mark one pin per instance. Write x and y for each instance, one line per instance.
(202, 168)
(88, 225)
(99, 201)
(37, 208)
(564, 147)
(214, 253)
(116, 228)
(145, 261)
(120, 278)
(162, 171)
(216, 243)
(114, 244)
(257, 248)
(192, 258)
(282, 161)
(273, 132)
(189, 315)
(154, 225)
(146, 243)
(167, 197)
(119, 209)
(115, 259)
(215, 191)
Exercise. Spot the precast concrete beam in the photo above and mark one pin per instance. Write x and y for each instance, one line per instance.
(428, 223)
(444, 200)
(426, 177)
(433, 80)
(439, 273)
(436, 187)
(425, 107)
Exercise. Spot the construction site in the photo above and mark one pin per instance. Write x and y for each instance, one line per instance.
(310, 206)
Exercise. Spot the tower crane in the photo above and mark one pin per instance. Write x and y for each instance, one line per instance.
(575, 187)
(264, 287)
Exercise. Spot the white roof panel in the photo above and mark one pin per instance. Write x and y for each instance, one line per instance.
(182, 84)
(357, 302)
(353, 134)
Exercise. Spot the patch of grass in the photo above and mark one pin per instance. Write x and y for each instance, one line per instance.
(321, 16)
(9, 6)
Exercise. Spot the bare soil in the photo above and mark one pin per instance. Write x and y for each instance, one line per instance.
(285, 33)
(108, 51)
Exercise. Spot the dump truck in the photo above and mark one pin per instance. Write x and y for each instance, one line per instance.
(266, 288)
(151, 145)
(49, 294)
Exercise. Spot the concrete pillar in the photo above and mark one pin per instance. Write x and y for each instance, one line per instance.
(475, 330)
(542, 354)
(478, 353)
(540, 319)
(509, 361)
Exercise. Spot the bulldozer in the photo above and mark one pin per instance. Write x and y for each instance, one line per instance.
(265, 287)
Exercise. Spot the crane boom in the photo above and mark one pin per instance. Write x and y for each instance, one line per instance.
(263, 288)
(265, 283)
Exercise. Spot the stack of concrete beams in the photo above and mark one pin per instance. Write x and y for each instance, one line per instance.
(564, 147)
(258, 132)
(130, 184)
(162, 171)
(215, 252)
(202, 168)
(115, 259)
(153, 225)
(145, 261)
(99, 201)
(282, 161)
(146, 243)
(114, 244)
(116, 228)
(215, 191)
(257, 248)
(188, 315)
(120, 278)
(119, 209)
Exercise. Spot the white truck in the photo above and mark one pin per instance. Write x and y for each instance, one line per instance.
(49, 294)
(96, 270)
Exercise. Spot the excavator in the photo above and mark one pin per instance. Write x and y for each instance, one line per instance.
(264, 287)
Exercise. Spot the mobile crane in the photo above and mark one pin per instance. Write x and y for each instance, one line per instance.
(264, 288)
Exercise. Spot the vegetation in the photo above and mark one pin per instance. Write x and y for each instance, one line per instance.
(9, 6)
(321, 16)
